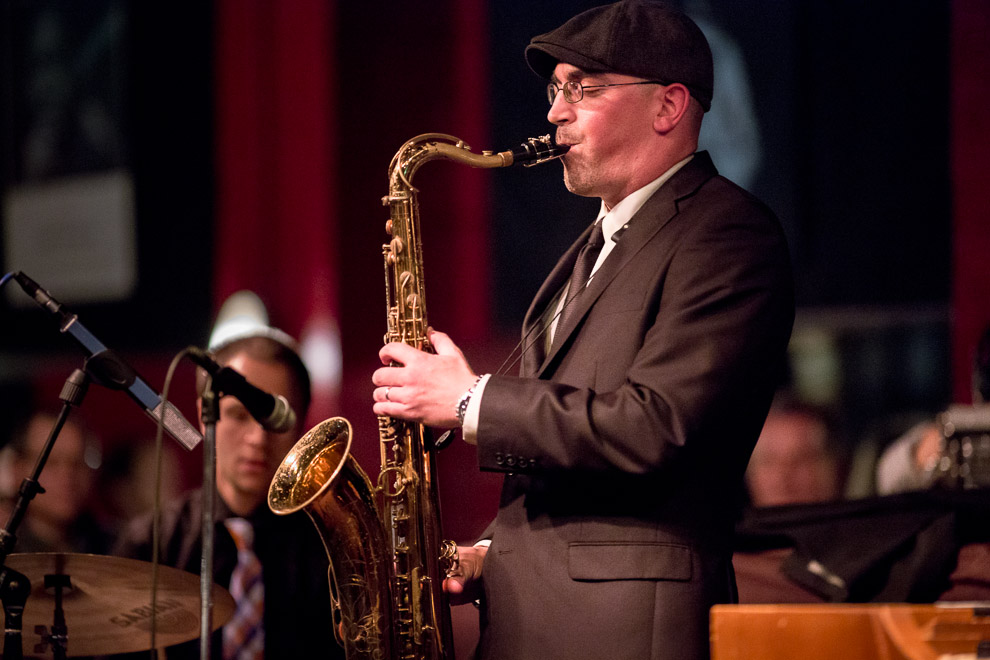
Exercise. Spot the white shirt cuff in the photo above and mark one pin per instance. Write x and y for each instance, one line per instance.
(470, 427)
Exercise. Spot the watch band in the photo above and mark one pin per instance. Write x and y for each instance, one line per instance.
(460, 410)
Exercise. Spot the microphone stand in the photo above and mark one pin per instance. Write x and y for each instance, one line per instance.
(15, 586)
(210, 415)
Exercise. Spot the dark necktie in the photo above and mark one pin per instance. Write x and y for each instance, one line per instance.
(582, 272)
(243, 636)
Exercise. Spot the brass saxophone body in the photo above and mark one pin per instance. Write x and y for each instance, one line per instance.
(388, 558)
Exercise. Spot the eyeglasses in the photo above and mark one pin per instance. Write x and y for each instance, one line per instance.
(574, 91)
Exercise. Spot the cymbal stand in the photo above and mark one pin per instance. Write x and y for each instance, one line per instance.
(14, 586)
(59, 635)
(14, 590)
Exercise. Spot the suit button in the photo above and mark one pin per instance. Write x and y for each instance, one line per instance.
(510, 461)
(499, 459)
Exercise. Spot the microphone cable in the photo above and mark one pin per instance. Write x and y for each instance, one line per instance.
(157, 499)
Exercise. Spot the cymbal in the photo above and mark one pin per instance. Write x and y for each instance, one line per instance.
(107, 605)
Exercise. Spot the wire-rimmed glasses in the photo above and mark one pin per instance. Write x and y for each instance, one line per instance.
(574, 91)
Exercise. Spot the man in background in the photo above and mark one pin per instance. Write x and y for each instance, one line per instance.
(291, 617)
(795, 461)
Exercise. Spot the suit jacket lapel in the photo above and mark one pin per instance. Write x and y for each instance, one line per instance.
(534, 323)
(644, 225)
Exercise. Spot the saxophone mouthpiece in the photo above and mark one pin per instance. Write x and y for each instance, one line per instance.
(535, 151)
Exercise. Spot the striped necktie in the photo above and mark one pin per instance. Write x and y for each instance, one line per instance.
(243, 636)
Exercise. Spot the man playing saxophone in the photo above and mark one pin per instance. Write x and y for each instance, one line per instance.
(642, 386)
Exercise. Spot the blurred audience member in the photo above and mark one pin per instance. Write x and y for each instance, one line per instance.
(60, 519)
(127, 481)
(794, 461)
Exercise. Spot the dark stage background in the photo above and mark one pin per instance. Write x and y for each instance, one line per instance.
(252, 139)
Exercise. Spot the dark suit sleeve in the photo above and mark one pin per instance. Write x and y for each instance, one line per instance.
(679, 355)
(180, 536)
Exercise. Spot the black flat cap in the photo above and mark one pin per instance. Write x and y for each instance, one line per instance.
(634, 37)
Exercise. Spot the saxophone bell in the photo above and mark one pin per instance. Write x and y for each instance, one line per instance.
(321, 477)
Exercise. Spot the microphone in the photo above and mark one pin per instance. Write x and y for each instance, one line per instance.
(272, 411)
(110, 370)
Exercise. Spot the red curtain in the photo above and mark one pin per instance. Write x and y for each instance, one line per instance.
(970, 145)
(312, 99)
(276, 174)
(470, 198)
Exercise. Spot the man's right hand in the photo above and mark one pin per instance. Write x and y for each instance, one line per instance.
(463, 583)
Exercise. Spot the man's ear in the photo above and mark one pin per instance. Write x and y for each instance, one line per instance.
(673, 101)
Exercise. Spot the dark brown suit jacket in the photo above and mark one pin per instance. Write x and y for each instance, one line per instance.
(625, 447)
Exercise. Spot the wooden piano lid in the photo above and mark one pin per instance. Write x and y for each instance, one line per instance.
(851, 632)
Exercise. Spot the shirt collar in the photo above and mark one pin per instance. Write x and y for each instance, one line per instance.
(615, 218)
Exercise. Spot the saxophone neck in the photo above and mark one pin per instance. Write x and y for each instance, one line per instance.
(431, 146)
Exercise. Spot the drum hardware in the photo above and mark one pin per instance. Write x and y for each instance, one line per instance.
(91, 605)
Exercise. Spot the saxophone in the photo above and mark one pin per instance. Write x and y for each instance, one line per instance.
(387, 556)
